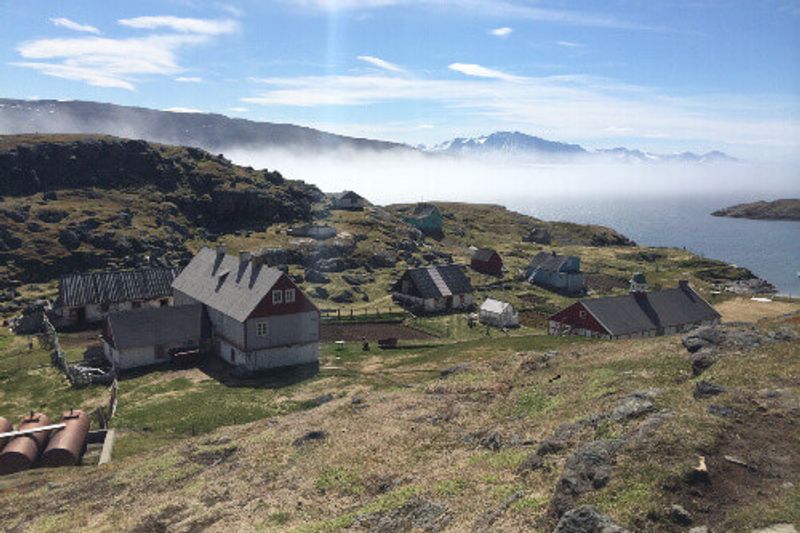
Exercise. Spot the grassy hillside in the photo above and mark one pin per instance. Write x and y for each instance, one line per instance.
(405, 445)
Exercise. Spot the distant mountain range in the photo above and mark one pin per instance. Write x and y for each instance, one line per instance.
(521, 144)
(218, 133)
(209, 131)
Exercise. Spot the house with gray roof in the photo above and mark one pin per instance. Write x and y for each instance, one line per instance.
(151, 336)
(90, 297)
(560, 273)
(635, 315)
(434, 289)
(259, 319)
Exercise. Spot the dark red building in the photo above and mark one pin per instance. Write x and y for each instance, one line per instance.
(488, 261)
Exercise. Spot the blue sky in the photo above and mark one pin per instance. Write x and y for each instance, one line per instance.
(665, 76)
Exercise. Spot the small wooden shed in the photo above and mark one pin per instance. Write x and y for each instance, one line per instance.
(499, 314)
(487, 261)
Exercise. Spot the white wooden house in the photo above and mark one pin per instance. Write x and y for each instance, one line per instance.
(259, 318)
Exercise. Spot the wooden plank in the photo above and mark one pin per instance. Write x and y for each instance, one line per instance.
(108, 447)
(12, 434)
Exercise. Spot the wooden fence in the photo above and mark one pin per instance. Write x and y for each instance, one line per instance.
(363, 314)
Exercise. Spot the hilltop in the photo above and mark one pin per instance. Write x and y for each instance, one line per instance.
(786, 209)
(209, 131)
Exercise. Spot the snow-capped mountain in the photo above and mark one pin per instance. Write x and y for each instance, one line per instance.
(523, 145)
(509, 143)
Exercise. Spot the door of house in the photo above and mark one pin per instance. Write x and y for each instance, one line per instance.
(80, 313)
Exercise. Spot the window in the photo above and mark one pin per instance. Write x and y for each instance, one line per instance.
(136, 305)
(277, 297)
(288, 296)
(582, 314)
(262, 329)
(164, 302)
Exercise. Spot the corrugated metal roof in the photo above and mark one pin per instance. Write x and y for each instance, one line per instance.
(150, 326)
(115, 286)
(622, 315)
(439, 281)
(548, 261)
(235, 294)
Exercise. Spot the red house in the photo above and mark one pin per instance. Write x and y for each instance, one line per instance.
(635, 315)
(488, 261)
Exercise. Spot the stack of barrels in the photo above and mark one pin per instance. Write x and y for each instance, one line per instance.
(51, 448)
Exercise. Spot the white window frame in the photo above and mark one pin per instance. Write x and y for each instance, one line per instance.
(583, 314)
(277, 297)
(262, 329)
(289, 295)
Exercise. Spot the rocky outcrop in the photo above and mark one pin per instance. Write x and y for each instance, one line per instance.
(587, 519)
(786, 209)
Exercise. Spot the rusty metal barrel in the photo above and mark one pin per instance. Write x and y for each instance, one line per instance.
(21, 452)
(67, 445)
(5, 427)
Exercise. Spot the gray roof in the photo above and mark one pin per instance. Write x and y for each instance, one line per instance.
(224, 283)
(622, 315)
(150, 326)
(115, 286)
(438, 281)
(548, 261)
(347, 194)
(483, 254)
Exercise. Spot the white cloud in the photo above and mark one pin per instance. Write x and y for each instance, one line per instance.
(189, 79)
(72, 25)
(558, 107)
(237, 109)
(569, 44)
(471, 69)
(505, 31)
(380, 63)
(184, 110)
(183, 25)
(118, 63)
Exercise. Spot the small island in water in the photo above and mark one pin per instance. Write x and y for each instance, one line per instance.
(785, 209)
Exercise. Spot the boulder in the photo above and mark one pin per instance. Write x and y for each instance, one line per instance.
(333, 264)
(633, 406)
(311, 436)
(588, 469)
(417, 514)
(69, 239)
(344, 297)
(706, 389)
(320, 292)
(586, 519)
(538, 236)
(52, 216)
(315, 276)
(679, 515)
(532, 462)
(382, 260)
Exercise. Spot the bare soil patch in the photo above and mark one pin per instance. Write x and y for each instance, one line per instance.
(371, 332)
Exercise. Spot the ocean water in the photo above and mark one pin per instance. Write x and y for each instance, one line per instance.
(771, 249)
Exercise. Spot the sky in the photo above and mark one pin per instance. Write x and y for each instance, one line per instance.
(662, 76)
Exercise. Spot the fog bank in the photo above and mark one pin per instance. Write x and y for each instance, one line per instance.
(387, 177)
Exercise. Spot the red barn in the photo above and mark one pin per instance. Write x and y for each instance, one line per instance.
(488, 261)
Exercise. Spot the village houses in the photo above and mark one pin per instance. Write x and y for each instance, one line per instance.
(250, 315)
(487, 261)
(559, 273)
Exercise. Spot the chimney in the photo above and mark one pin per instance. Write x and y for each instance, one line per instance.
(638, 283)
(244, 257)
(683, 284)
(258, 260)
(220, 250)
